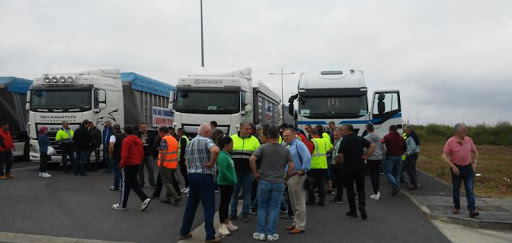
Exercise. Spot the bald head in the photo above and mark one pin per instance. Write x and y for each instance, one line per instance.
(205, 130)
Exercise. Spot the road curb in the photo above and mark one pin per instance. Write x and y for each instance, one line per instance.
(475, 223)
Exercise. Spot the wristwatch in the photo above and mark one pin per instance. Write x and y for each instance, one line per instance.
(475, 161)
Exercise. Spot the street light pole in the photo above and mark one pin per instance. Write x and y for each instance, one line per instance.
(282, 73)
(202, 42)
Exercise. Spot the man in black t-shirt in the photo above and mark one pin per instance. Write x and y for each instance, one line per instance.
(351, 158)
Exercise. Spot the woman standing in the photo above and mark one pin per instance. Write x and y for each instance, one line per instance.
(43, 142)
(226, 180)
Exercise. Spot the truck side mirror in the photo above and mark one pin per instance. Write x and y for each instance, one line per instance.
(29, 97)
(291, 109)
(172, 94)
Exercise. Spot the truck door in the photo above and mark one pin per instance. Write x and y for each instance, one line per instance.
(386, 111)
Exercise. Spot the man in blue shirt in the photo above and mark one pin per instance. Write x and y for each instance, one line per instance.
(302, 164)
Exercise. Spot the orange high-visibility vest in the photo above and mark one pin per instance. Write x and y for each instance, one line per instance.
(169, 158)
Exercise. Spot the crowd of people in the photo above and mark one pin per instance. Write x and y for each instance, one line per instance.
(272, 170)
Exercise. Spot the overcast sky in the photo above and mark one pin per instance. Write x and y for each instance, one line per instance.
(451, 60)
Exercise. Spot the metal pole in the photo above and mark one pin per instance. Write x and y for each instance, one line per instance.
(282, 86)
(202, 41)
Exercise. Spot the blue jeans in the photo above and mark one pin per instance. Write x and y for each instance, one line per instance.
(117, 172)
(392, 167)
(7, 158)
(79, 166)
(269, 199)
(244, 180)
(467, 175)
(202, 189)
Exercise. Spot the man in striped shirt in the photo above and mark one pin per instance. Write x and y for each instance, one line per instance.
(201, 156)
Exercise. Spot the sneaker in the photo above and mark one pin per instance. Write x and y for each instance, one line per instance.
(40, 174)
(395, 191)
(455, 211)
(287, 218)
(362, 210)
(46, 175)
(223, 230)
(145, 204)
(187, 190)
(177, 201)
(253, 211)
(335, 200)
(258, 236)
(113, 188)
(245, 218)
(118, 207)
(273, 237)
(375, 196)
(9, 176)
(231, 227)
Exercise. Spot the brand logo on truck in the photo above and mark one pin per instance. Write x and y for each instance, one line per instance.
(68, 117)
(206, 81)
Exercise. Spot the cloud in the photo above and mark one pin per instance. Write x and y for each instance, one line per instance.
(427, 49)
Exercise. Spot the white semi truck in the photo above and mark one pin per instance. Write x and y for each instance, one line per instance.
(13, 93)
(98, 95)
(228, 97)
(340, 96)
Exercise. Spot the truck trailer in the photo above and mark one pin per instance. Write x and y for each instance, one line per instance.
(98, 95)
(228, 97)
(341, 96)
(13, 94)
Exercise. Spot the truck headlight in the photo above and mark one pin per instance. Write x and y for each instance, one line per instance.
(70, 79)
(62, 79)
(55, 80)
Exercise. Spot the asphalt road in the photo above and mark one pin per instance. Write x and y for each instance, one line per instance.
(80, 207)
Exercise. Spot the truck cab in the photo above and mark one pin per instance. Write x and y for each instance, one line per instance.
(95, 95)
(341, 96)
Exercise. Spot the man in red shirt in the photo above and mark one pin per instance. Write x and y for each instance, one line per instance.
(132, 153)
(457, 154)
(396, 146)
(6, 148)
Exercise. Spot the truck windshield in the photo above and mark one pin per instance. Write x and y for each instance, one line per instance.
(207, 102)
(333, 107)
(61, 100)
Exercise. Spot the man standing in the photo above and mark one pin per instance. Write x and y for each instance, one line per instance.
(182, 146)
(201, 157)
(274, 157)
(350, 155)
(296, 191)
(244, 145)
(95, 147)
(318, 148)
(107, 134)
(131, 156)
(168, 163)
(332, 128)
(461, 155)
(413, 148)
(338, 168)
(6, 148)
(308, 130)
(396, 146)
(64, 139)
(375, 160)
(147, 161)
(83, 142)
(116, 142)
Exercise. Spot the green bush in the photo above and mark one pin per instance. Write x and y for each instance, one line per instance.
(482, 134)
